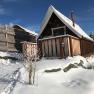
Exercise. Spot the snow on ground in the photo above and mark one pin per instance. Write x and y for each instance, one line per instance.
(11, 54)
(75, 81)
(7, 68)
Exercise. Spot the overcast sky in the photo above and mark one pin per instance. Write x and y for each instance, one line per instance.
(30, 13)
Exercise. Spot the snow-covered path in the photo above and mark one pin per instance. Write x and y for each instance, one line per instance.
(6, 71)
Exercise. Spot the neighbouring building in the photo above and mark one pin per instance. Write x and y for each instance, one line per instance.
(61, 37)
(11, 38)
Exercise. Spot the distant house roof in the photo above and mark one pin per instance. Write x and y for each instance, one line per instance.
(27, 30)
(77, 29)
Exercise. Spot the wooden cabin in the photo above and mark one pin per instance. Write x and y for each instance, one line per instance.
(12, 36)
(61, 37)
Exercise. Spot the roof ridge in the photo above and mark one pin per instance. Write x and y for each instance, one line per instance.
(28, 30)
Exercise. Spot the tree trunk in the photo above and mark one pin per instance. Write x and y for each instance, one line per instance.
(30, 73)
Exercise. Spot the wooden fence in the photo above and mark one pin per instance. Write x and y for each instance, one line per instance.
(29, 49)
(7, 41)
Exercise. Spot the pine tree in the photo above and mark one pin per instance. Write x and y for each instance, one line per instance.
(92, 35)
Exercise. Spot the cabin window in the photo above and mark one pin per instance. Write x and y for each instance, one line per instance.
(59, 31)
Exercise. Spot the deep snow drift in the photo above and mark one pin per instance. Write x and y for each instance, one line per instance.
(75, 81)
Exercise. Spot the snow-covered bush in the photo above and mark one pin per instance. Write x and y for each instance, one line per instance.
(79, 61)
(90, 64)
(67, 68)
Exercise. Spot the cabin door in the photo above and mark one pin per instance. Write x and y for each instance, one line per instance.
(51, 48)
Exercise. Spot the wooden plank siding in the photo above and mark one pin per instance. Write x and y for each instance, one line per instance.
(87, 47)
(58, 47)
(43, 48)
(52, 47)
(46, 47)
(61, 48)
(74, 46)
(71, 50)
(81, 46)
(64, 46)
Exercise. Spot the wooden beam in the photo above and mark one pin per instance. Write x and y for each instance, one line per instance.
(71, 50)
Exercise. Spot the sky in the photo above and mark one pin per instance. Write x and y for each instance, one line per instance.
(30, 13)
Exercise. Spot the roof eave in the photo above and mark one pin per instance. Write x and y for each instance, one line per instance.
(36, 34)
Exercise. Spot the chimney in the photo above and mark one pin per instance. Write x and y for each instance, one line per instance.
(72, 18)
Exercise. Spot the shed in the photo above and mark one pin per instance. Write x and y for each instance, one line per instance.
(61, 37)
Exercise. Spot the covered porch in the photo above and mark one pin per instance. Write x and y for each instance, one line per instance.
(59, 46)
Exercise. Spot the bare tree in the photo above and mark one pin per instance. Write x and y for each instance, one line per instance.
(28, 65)
(30, 69)
(30, 59)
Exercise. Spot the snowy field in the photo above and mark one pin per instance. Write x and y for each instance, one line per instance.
(7, 69)
(79, 80)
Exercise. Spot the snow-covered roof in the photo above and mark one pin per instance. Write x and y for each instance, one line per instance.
(27, 30)
(77, 29)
